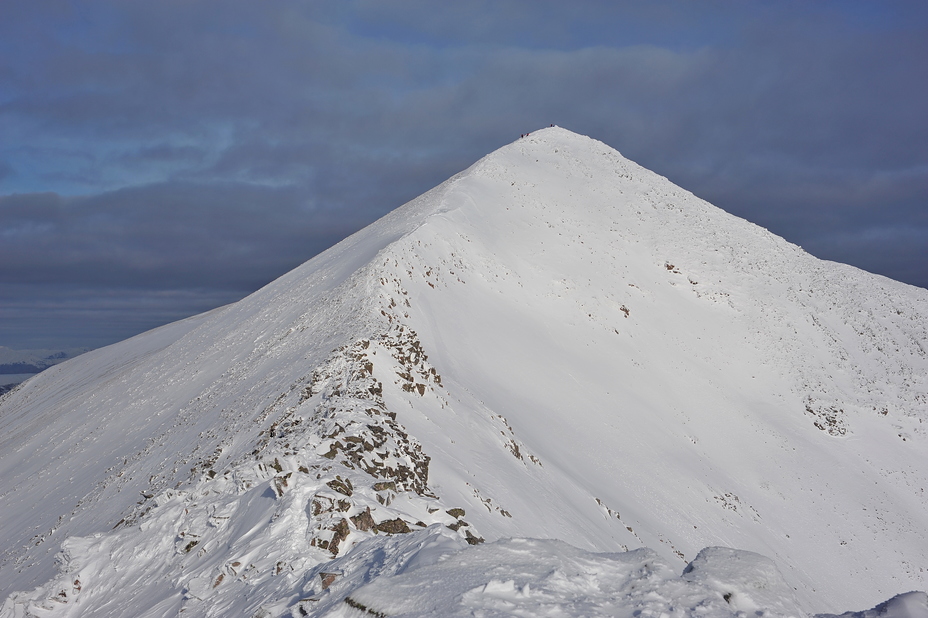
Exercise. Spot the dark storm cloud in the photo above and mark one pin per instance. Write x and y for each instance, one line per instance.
(91, 270)
(163, 236)
(72, 315)
(178, 146)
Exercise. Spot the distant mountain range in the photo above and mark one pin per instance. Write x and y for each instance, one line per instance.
(555, 385)
(33, 361)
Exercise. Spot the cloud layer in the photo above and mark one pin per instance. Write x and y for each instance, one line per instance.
(176, 155)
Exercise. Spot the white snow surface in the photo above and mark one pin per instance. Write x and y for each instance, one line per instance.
(529, 577)
(557, 351)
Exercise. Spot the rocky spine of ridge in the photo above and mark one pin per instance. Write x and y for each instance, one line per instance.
(329, 442)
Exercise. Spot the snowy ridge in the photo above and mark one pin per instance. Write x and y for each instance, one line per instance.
(556, 344)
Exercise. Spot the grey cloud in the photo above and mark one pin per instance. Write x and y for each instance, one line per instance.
(215, 149)
(76, 316)
(92, 270)
(163, 237)
(165, 152)
(6, 170)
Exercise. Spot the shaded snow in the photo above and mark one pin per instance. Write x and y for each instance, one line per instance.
(906, 605)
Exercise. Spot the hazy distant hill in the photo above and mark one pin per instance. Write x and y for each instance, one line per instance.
(33, 361)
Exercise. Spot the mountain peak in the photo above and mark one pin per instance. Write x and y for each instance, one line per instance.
(559, 134)
(548, 139)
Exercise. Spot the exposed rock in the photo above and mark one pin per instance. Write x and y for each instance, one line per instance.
(363, 608)
(341, 486)
(364, 521)
(341, 532)
(394, 526)
(280, 483)
(320, 506)
(363, 434)
(328, 579)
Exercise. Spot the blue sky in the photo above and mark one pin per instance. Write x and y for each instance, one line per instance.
(162, 158)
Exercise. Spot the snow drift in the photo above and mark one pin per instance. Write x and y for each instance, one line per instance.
(555, 344)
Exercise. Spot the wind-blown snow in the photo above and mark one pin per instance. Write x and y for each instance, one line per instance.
(528, 577)
(554, 344)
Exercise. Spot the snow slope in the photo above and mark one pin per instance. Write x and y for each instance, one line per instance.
(555, 344)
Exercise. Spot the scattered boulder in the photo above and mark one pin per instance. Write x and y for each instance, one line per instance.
(341, 486)
(393, 526)
(341, 532)
(364, 521)
(328, 579)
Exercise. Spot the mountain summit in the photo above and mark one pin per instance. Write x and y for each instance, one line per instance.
(555, 344)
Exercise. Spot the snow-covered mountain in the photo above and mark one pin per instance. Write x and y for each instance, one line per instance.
(555, 344)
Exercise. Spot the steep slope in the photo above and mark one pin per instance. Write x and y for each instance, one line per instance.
(556, 343)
